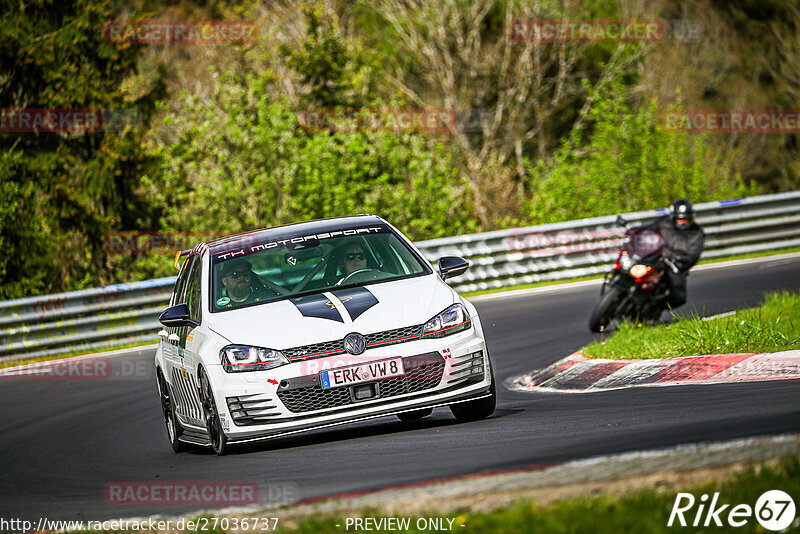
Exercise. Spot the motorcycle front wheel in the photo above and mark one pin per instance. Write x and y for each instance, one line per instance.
(603, 311)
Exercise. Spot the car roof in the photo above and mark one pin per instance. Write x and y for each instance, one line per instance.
(287, 231)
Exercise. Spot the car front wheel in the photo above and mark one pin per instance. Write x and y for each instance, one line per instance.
(216, 435)
(174, 429)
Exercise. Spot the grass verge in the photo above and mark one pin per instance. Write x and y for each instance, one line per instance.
(640, 510)
(749, 255)
(772, 327)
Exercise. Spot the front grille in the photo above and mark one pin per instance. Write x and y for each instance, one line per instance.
(251, 409)
(317, 350)
(421, 373)
(390, 337)
(332, 348)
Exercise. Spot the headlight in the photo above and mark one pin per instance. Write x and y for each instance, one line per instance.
(236, 358)
(638, 270)
(453, 319)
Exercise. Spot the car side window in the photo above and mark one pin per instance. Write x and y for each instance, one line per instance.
(188, 267)
(178, 292)
(193, 290)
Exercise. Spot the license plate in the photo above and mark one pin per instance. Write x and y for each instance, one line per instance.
(363, 372)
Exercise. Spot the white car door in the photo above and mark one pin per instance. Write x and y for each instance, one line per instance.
(180, 360)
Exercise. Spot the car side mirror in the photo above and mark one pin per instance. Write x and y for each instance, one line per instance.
(621, 221)
(177, 316)
(452, 266)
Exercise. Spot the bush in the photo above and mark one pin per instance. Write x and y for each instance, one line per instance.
(243, 161)
(628, 163)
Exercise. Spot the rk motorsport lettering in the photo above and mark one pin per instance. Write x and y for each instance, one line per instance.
(296, 240)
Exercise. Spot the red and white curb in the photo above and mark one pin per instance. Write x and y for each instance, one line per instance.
(576, 373)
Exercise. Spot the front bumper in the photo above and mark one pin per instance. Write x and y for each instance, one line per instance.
(283, 401)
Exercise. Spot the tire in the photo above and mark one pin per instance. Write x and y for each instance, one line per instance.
(216, 435)
(601, 315)
(415, 415)
(466, 412)
(174, 428)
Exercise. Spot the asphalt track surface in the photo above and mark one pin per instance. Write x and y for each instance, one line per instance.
(61, 442)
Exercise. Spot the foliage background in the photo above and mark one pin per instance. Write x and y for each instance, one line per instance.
(545, 132)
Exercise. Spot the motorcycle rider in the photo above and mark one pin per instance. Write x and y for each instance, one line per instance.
(683, 244)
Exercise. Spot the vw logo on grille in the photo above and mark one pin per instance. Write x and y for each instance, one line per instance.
(355, 344)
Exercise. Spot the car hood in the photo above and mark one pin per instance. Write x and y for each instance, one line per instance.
(317, 318)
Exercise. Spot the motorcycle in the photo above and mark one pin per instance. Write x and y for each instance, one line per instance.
(635, 288)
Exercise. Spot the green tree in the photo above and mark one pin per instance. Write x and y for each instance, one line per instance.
(625, 161)
(70, 188)
(243, 161)
(333, 73)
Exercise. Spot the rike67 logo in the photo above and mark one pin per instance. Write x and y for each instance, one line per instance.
(774, 511)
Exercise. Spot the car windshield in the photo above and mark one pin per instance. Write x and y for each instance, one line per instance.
(270, 271)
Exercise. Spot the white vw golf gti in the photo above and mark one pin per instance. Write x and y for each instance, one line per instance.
(312, 325)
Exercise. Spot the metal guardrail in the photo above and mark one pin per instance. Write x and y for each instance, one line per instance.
(80, 320)
(124, 313)
(586, 247)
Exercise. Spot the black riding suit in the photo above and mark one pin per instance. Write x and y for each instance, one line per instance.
(683, 248)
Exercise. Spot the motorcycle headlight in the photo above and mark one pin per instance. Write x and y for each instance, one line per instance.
(453, 319)
(638, 270)
(237, 358)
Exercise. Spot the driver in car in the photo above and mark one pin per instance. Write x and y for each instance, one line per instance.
(237, 278)
(354, 259)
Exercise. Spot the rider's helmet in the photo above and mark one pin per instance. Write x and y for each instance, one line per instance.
(682, 214)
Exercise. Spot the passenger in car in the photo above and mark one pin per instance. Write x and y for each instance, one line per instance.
(353, 259)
